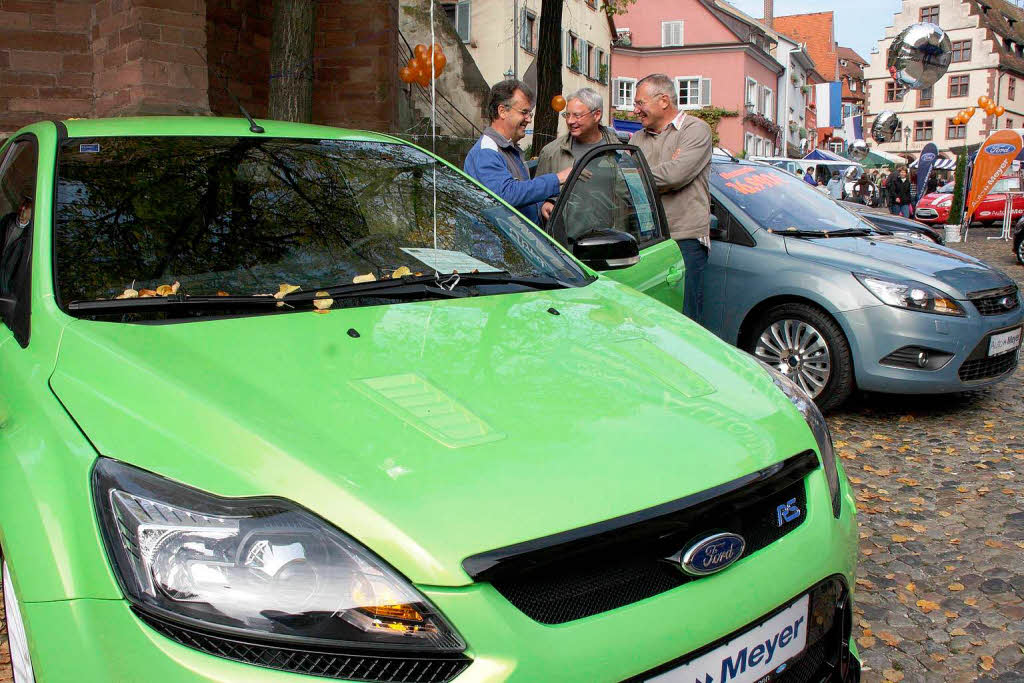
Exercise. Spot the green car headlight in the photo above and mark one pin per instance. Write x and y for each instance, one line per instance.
(910, 294)
(819, 428)
(256, 566)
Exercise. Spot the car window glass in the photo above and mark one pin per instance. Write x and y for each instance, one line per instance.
(779, 201)
(947, 188)
(1006, 185)
(611, 193)
(243, 216)
(17, 204)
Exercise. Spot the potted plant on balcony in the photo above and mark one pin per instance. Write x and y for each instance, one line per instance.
(805, 89)
(802, 132)
(574, 61)
(602, 73)
(792, 126)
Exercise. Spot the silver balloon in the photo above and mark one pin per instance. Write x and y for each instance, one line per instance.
(919, 55)
(885, 126)
(853, 173)
(858, 150)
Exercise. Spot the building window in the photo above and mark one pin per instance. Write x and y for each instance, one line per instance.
(1009, 123)
(961, 50)
(930, 13)
(592, 4)
(853, 85)
(585, 57)
(958, 85)
(751, 99)
(767, 104)
(955, 131)
(924, 97)
(458, 14)
(922, 131)
(748, 144)
(694, 92)
(898, 135)
(671, 33)
(1011, 88)
(624, 89)
(572, 49)
(836, 147)
(526, 31)
(893, 91)
(600, 68)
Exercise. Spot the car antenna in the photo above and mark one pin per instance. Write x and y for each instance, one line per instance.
(253, 126)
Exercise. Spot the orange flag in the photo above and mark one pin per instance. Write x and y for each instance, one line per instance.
(993, 160)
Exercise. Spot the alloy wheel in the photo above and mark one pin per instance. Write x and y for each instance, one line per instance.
(799, 351)
(21, 661)
(1020, 252)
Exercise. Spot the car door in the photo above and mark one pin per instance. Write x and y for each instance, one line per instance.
(728, 266)
(612, 188)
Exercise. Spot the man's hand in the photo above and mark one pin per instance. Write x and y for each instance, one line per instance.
(546, 209)
(563, 175)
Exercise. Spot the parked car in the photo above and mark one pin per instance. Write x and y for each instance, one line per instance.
(934, 207)
(263, 412)
(1018, 241)
(882, 220)
(810, 288)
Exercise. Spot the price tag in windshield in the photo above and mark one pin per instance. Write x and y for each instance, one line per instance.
(751, 183)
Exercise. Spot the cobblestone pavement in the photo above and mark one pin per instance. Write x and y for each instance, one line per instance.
(940, 492)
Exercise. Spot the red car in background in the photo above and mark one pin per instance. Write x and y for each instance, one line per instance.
(934, 207)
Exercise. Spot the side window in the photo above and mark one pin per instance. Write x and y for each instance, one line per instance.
(734, 232)
(612, 192)
(17, 209)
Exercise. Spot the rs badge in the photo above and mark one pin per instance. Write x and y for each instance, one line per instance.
(787, 512)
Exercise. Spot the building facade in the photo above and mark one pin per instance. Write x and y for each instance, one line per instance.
(717, 57)
(988, 59)
(816, 30)
(503, 35)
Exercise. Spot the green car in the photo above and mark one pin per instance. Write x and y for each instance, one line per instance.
(267, 415)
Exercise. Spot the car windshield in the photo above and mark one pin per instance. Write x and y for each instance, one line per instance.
(946, 189)
(244, 216)
(781, 202)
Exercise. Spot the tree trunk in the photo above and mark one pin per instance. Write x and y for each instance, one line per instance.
(291, 61)
(549, 73)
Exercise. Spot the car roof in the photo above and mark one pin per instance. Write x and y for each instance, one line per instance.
(211, 126)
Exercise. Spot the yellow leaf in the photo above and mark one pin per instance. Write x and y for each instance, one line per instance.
(986, 662)
(951, 615)
(164, 290)
(971, 601)
(937, 657)
(128, 294)
(907, 481)
(401, 272)
(892, 676)
(285, 290)
(866, 583)
(865, 642)
(369, 277)
(916, 501)
(907, 418)
(958, 632)
(323, 302)
(899, 538)
(889, 639)
(911, 586)
(927, 606)
(919, 528)
(955, 587)
(994, 544)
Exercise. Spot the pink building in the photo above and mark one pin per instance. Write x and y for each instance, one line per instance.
(716, 55)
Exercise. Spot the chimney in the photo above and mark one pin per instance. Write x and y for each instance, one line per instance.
(769, 13)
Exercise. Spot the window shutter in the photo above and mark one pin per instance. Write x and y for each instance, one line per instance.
(462, 20)
(666, 37)
(705, 92)
(678, 33)
(523, 42)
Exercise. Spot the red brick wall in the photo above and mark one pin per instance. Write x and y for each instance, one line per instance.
(238, 47)
(45, 64)
(815, 30)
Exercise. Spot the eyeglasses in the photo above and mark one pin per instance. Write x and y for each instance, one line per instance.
(637, 102)
(527, 113)
(570, 116)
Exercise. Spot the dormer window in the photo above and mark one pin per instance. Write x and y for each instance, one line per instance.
(842, 62)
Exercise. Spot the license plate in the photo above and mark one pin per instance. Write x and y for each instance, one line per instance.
(1002, 343)
(751, 656)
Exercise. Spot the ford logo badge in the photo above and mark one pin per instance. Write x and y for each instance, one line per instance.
(712, 554)
(1007, 302)
(998, 148)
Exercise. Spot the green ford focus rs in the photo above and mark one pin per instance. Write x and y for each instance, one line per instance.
(268, 415)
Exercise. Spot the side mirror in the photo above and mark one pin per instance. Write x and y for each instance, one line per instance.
(717, 233)
(607, 250)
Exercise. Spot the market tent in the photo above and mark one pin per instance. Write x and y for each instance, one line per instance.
(825, 155)
(891, 158)
(873, 160)
(940, 163)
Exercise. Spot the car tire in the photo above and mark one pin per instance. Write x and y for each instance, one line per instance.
(820, 334)
(1018, 248)
(21, 660)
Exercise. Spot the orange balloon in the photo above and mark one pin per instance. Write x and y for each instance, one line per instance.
(439, 62)
(420, 51)
(558, 103)
(437, 49)
(423, 78)
(969, 111)
(999, 110)
(983, 101)
(406, 74)
(990, 109)
(958, 120)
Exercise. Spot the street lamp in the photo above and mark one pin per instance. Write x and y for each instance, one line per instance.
(509, 74)
(906, 138)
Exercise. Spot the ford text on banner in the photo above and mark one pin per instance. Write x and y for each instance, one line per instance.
(925, 164)
(993, 160)
(828, 98)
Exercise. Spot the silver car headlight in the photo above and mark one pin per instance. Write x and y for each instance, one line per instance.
(819, 428)
(260, 567)
(911, 295)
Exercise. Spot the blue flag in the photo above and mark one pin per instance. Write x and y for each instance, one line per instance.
(924, 167)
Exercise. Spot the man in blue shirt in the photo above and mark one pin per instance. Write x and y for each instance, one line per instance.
(809, 178)
(496, 160)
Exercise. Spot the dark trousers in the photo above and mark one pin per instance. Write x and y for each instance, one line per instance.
(695, 258)
(900, 210)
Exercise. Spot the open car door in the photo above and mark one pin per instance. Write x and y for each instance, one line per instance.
(611, 190)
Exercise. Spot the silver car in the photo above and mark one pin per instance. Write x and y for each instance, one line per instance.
(816, 291)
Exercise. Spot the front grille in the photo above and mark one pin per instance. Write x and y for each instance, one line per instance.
(349, 666)
(592, 570)
(995, 302)
(926, 213)
(986, 368)
(826, 657)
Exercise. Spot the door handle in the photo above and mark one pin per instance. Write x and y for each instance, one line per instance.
(675, 274)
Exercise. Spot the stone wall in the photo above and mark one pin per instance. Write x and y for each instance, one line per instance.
(238, 50)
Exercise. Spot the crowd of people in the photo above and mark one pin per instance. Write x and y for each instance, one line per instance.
(894, 189)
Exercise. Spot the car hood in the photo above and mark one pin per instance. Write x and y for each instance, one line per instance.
(932, 198)
(431, 431)
(951, 271)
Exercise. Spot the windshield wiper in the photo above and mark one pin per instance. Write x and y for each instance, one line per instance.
(850, 232)
(446, 283)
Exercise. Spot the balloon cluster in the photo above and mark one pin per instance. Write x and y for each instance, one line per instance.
(425, 62)
(984, 102)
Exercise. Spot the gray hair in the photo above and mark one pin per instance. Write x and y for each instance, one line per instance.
(659, 84)
(503, 93)
(590, 98)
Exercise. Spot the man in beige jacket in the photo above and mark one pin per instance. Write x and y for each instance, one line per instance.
(678, 149)
(582, 115)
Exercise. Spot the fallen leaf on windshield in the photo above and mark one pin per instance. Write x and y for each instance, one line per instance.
(323, 303)
(128, 294)
(164, 290)
(285, 290)
(146, 293)
(401, 272)
(369, 277)
(222, 293)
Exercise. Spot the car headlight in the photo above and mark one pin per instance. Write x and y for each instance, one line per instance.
(819, 428)
(915, 296)
(944, 202)
(256, 566)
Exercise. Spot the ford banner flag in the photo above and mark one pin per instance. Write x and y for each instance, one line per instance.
(994, 159)
(925, 163)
